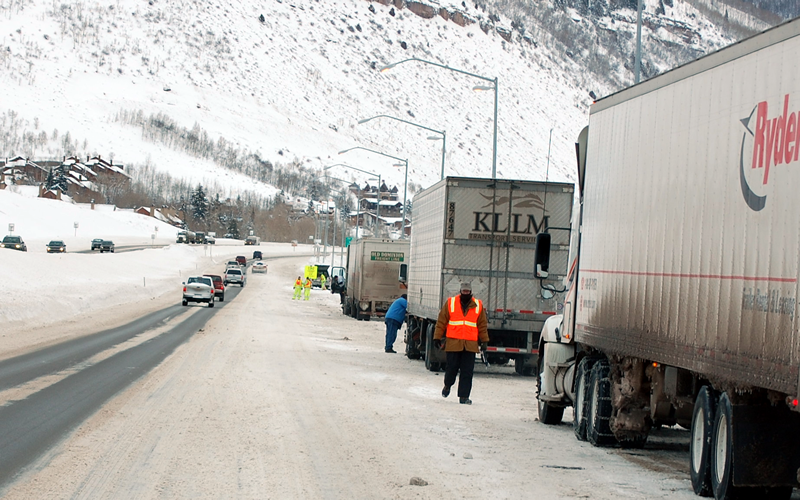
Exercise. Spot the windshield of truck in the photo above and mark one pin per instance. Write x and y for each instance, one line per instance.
(235, 272)
(204, 281)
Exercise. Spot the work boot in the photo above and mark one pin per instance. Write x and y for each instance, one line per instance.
(446, 391)
(465, 401)
(390, 350)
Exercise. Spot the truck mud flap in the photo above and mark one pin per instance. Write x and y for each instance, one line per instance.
(766, 446)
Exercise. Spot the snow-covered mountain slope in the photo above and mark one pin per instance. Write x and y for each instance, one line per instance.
(290, 81)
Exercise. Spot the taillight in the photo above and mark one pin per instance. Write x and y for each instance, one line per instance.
(184, 289)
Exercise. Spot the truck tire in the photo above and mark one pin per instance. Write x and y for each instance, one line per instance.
(211, 303)
(526, 370)
(581, 407)
(598, 430)
(222, 298)
(702, 430)
(430, 365)
(411, 351)
(548, 414)
(185, 303)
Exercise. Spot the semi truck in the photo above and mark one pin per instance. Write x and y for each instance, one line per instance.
(683, 283)
(186, 237)
(376, 270)
(484, 231)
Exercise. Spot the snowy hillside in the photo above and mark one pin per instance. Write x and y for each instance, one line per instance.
(290, 81)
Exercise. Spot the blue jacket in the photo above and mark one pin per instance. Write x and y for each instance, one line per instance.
(397, 311)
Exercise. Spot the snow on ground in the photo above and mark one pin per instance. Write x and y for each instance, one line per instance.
(275, 398)
(47, 292)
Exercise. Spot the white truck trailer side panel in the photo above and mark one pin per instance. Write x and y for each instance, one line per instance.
(464, 231)
(691, 239)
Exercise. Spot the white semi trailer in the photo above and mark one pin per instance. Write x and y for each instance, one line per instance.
(376, 269)
(484, 231)
(684, 273)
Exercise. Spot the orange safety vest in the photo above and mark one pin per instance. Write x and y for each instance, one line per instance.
(308, 284)
(461, 326)
(298, 283)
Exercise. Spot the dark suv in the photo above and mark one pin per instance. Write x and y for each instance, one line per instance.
(97, 243)
(14, 243)
(107, 246)
(219, 287)
(257, 255)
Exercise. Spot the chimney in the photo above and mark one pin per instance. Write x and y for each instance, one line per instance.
(41, 190)
(152, 211)
(92, 201)
(58, 194)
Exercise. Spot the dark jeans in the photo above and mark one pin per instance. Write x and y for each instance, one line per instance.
(392, 325)
(463, 363)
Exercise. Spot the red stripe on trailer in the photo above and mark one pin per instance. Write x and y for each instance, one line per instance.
(549, 313)
(503, 310)
(525, 311)
(508, 349)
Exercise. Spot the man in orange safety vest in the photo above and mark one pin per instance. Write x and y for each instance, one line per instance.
(462, 323)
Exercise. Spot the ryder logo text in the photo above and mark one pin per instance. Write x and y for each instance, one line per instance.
(775, 141)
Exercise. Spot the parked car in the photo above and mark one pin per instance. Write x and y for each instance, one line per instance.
(259, 267)
(257, 255)
(211, 240)
(107, 246)
(56, 246)
(242, 260)
(14, 243)
(234, 276)
(198, 289)
(97, 243)
(219, 286)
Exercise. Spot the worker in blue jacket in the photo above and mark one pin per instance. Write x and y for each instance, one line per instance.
(394, 320)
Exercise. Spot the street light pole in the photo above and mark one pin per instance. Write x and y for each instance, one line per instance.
(366, 172)
(378, 210)
(443, 137)
(485, 78)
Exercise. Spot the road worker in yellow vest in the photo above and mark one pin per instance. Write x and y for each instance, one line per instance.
(307, 286)
(322, 281)
(463, 326)
(298, 289)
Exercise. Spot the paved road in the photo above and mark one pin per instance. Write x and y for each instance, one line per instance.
(125, 248)
(32, 425)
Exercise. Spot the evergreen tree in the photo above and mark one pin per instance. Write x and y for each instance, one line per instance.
(199, 204)
(233, 228)
(57, 178)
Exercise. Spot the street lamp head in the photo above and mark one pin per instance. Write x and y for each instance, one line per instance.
(433, 138)
(365, 120)
(387, 68)
(479, 88)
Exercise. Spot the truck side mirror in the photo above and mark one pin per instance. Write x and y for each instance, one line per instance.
(542, 255)
(403, 273)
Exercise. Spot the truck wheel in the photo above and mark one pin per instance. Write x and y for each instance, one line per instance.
(430, 365)
(598, 431)
(521, 367)
(185, 303)
(721, 452)
(222, 298)
(581, 406)
(211, 303)
(548, 414)
(700, 444)
(411, 351)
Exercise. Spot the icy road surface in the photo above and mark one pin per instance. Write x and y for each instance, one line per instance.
(277, 398)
